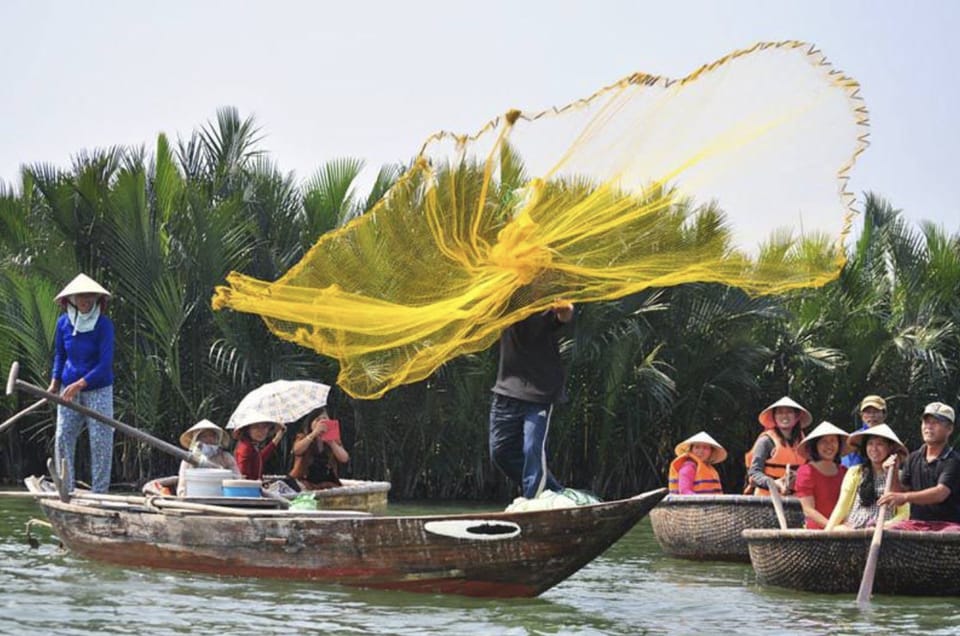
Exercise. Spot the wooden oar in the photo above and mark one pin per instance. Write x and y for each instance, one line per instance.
(14, 382)
(10, 421)
(778, 506)
(870, 569)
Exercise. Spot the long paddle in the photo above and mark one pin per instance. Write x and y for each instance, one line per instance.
(778, 506)
(10, 421)
(870, 569)
(14, 382)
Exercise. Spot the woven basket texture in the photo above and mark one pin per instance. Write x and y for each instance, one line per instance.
(709, 527)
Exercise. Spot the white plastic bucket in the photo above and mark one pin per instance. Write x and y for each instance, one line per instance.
(206, 482)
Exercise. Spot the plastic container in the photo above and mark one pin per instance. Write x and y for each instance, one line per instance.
(206, 482)
(241, 487)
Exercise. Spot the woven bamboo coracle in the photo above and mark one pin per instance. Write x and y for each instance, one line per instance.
(910, 563)
(709, 527)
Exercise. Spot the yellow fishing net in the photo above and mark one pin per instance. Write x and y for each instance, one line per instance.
(598, 199)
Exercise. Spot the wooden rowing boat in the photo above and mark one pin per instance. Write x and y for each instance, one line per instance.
(709, 527)
(497, 554)
(354, 494)
(909, 563)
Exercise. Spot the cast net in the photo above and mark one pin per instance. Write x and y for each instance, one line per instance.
(735, 174)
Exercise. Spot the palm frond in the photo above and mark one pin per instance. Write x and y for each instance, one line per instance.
(329, 196)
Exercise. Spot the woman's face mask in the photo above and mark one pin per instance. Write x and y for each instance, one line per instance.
(83, 312)
(207, 450)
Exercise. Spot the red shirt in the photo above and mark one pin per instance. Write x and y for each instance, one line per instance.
(250, 460)
(824, 489)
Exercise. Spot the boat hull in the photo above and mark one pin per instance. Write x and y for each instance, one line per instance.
(495, 554)
(710, 527)
(909, 563)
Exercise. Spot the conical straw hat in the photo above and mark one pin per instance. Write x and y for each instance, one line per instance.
(766, 415)
(880, 430)
(82, 284)
(702, 437)
(186, 439)
(823, 429)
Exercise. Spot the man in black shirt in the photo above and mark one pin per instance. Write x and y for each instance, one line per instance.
(530, 379)
(930, 478)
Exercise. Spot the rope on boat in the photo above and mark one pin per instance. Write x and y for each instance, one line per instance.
(31, 540)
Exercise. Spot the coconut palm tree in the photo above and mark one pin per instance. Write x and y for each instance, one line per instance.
(892, 313)
(161, 229)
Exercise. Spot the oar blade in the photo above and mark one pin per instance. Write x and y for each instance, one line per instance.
(873, 555)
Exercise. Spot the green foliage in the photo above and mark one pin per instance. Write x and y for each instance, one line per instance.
(160, 230)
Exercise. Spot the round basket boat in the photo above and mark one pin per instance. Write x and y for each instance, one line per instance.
(710, 527)
(909, 563)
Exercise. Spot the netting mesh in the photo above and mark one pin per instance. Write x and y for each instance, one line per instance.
(735, 174)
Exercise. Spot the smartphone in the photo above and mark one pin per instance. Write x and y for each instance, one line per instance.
(332, 432)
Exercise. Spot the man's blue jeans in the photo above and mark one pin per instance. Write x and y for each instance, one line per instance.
(518, 443)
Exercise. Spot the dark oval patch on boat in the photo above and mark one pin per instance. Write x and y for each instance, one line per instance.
(492, 528)
(475, 529)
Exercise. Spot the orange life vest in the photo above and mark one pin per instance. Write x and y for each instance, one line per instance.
(776, 464)
(706, 481)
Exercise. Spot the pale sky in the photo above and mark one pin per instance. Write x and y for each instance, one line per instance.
(373, 80)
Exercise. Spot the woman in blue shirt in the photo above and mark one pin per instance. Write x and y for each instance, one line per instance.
(83, 371)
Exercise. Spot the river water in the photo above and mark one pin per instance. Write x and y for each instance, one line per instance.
(631, 589)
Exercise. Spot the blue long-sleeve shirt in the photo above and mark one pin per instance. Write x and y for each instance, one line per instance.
(87, 355)
(853, 459)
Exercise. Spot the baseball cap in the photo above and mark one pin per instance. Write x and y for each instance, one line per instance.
(875, 401)
(940, 411)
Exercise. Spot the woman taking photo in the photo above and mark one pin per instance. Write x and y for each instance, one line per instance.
(318, 453)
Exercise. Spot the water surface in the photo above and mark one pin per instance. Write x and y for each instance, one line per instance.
(632, 589)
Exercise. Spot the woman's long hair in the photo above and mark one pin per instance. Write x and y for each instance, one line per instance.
(866, 490)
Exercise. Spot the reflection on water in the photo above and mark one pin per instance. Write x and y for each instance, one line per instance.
(632, 589)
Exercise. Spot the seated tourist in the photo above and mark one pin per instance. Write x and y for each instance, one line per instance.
(253, 449)
(865, 481)
(777, 448)
(818, 481)
(209, 440)
(693, 472)
(930, 478)
(318, 453)
(873, 411)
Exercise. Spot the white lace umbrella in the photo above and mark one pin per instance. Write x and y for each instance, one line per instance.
(282, 401)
